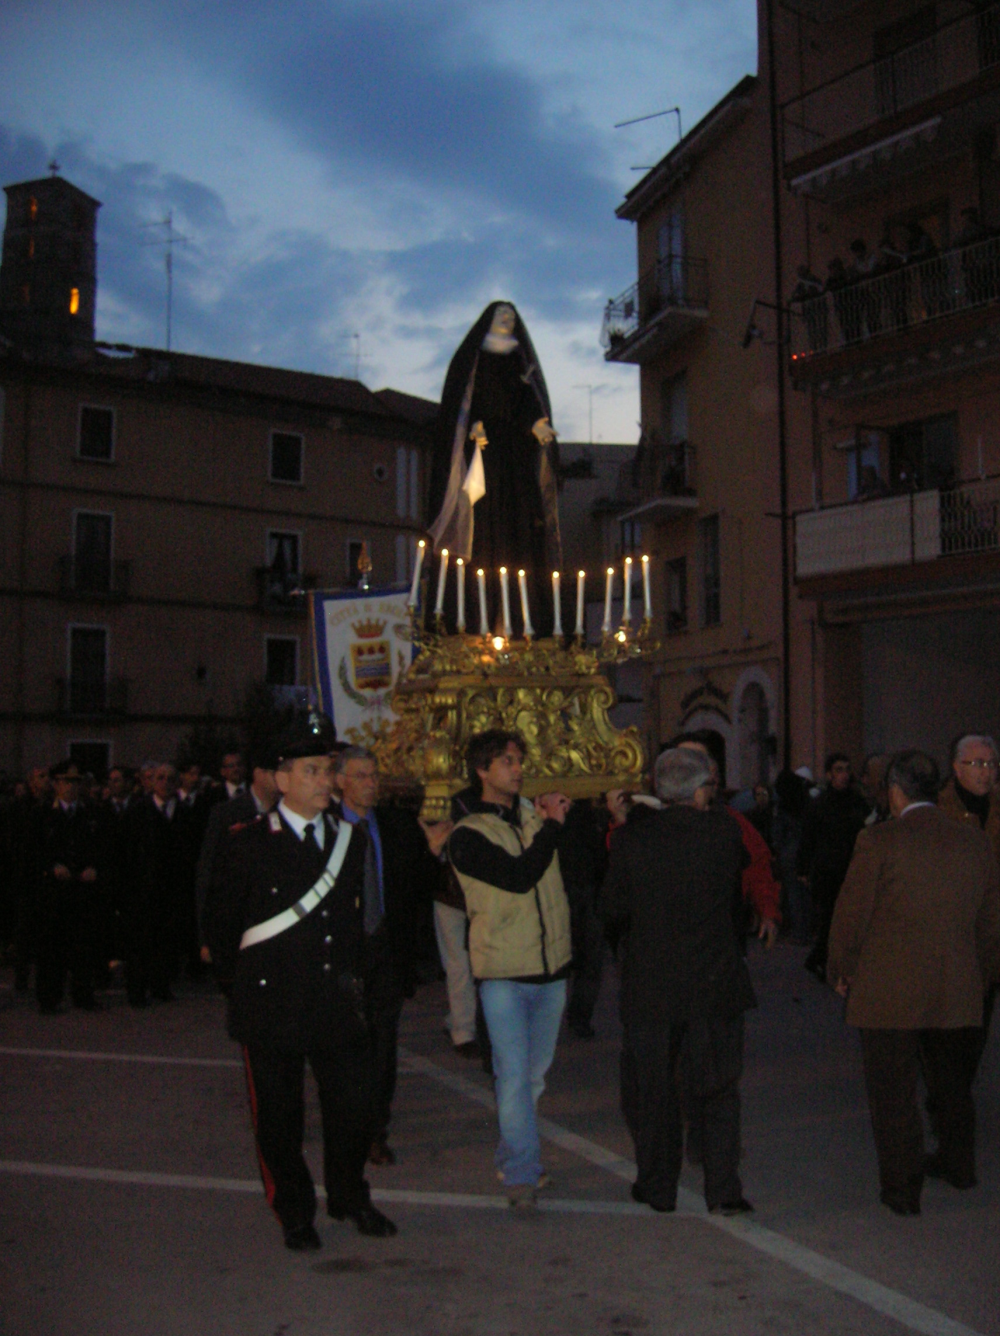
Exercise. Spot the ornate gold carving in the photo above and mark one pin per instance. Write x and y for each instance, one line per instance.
(555, 695)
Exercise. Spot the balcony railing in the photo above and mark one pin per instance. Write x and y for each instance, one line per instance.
(90, 697)
(899, 530)
(282, 591)
(879, 89)
(869, 308)
(673, 284)
(93, 577)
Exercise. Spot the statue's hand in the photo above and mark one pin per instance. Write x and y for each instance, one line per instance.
(542, 431)
(478, 434)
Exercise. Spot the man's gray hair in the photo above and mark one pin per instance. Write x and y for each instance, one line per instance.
(341, 758)
(680, 773)
(973, 740)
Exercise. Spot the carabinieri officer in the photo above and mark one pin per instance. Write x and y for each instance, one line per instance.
(286, 924)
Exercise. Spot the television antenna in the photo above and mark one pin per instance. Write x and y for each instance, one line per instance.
(170, 238)
(670, 111)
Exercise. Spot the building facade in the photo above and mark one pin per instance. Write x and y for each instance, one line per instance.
(161, 515)
(817, 328)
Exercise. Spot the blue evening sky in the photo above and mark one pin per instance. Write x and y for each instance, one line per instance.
(374, 169)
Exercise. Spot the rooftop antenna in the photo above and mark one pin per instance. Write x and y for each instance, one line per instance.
(169, 240)
(670, 111)
(53, 168)
(590, 406)
(357, 352)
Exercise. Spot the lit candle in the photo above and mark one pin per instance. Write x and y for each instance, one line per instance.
(484, 621)
(522, 584)
(608, 586)
(581, 577)
(411, 602)
(442, 576)
(505, 600)
(627, 605)
(460, 573)
(647, 598)
(556, 606)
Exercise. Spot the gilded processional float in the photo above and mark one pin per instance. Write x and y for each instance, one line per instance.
(484, 656)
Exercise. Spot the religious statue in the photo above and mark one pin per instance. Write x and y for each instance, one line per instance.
(493, 473)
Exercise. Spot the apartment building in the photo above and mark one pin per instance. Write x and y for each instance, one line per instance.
(161, 514)
(889, 114)
(706, 475)
(816, 324)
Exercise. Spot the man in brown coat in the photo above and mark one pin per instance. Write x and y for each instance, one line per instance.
(915, 937)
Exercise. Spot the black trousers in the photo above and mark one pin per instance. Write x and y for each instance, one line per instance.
(276, 1087)
(383, 1008)
(65, 941)
(651, 1072)
(893, 1062)
(589, 946)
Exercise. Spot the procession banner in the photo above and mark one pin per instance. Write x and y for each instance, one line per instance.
(362, 647)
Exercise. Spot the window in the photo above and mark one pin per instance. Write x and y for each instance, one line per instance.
(670, 243)
(711, 577)
(906, 65)
(403, 558)
(402, 481)
(674, 408)
(924, 454)
(32, 208)
(88, 669)
(414, 483)
(284, 552)
(286, 457)
(93, 758)
(92, 538)
(677, 595)
(281, 665)
(631, 534)
(352, 573)
(74, 301)
(97, 433)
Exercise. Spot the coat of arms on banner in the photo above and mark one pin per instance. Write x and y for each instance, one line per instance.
(371, 657)
(363, 646)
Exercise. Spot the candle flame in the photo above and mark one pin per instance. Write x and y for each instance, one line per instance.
(421, 543)
(459, 561)
(621, 636)
(503, 570)
(519, 574)
(498, 642)
(628, 561)
(480, 571)
(582, 574)
(611, 570)
(444, 552)
(645, 558)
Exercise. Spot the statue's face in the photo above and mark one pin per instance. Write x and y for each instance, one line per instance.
(504, 319)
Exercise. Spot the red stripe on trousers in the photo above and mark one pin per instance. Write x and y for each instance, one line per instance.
(266, 1176)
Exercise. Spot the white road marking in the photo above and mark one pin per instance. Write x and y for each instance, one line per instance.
(152, 1058)
(916, 1316)
(397, 1196)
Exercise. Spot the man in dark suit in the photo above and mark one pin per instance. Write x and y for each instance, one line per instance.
(156, 842)
(225, 819)
(914, 940)
(399, 870)
(286, 924)
(65, 855)
(669, 895)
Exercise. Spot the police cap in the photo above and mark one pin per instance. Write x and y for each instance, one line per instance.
(309, 734)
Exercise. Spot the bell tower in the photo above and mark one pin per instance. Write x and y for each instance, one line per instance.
(48, 271)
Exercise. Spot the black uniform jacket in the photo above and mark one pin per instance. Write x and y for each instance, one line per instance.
(669, 889)
(76, 839)
(300, 990)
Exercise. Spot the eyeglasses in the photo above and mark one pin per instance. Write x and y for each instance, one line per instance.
(977, 764)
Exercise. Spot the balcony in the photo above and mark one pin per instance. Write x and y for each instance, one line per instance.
(663, 307)
(899, 530)
(893, 108)
(282, 592)
(91, 698)
(903, 315)
(667, 478)
(94, 577)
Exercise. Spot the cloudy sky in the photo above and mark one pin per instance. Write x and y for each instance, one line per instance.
(355, 181)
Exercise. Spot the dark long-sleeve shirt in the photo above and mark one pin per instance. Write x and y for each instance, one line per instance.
(475, 855)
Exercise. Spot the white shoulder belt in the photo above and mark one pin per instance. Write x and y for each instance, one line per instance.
(260, 932)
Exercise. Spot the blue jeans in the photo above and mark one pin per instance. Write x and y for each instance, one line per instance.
(523, 1021)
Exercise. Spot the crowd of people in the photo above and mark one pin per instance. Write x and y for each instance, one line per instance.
(919, 281)
(319, 908)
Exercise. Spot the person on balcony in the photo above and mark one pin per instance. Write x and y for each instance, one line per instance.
(979, 277)
(921, 250)
(890, 265)
(863, 266)
(845, 304)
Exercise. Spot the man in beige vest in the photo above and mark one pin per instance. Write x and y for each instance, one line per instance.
(915, 937)
(505, 856)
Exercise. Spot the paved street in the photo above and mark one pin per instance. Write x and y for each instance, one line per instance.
(129, 1198)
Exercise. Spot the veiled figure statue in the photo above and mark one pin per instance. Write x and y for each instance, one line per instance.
(494, 468)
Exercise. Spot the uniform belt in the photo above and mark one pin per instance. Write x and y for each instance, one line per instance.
(288, 918)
